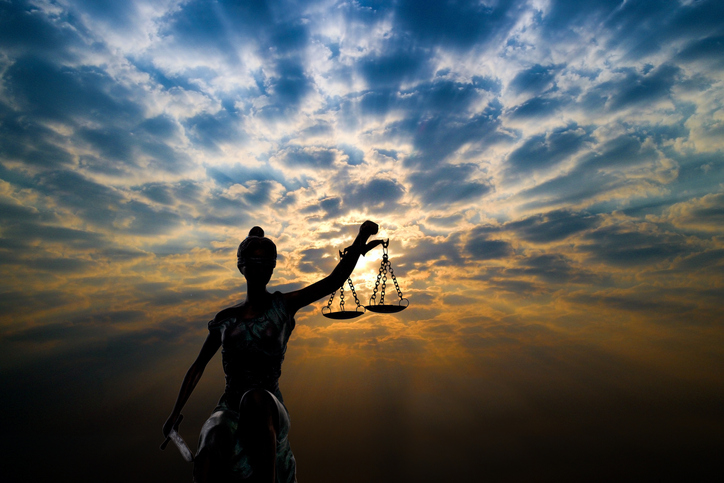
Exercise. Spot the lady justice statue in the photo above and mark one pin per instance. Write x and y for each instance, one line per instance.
(245, 439)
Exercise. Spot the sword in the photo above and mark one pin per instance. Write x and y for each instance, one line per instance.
(178, 441)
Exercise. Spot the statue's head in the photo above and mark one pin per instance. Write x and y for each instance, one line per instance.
(256, 256)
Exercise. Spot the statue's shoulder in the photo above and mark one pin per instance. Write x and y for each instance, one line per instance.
(224, 316)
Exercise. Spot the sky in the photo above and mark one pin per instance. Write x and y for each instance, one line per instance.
(550, 175)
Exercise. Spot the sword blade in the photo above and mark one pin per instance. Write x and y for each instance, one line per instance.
(181, 445)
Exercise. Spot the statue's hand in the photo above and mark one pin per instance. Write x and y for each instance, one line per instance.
(169, 425)
(368, 228)
(369, 246)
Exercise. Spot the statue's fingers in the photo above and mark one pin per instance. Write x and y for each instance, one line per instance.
(369, 228)
(369, 246)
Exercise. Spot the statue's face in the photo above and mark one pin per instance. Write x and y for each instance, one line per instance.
(256, 273)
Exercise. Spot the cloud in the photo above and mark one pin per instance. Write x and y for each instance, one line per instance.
(707, 49)
(480, 247)
(25, 29)
(602, 171)
(635, 89)
(213, 130)
(705, 213)
(535, 79)
(379, 195)
(390, 69)
(616, 245)
(449, 184)
(312, 157)
(537, 107)
(553, 226)
(67, 94)
(555, 269)
(29, 142)
(437, 137)
(458, 25)
(547, 150)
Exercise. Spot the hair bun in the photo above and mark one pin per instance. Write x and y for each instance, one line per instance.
(256, 231)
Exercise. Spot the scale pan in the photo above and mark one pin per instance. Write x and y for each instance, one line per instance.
(385, 309)
(344, 314)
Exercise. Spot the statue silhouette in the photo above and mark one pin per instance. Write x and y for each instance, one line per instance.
(245, 439)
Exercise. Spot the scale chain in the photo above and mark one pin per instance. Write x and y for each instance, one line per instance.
(373, 298)
(341, 298)
(397, 287)
(354, 293)
(384, 284)
(331, 298)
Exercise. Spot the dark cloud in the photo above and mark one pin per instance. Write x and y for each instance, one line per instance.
(598, 172)
(26, 28)
(379, 195)
(119, 150)
(708, 49)
(480, 247)
(635, 303)
(240, 174)
(428, 251)
(287, 88)
(390, 69)
(59, 265)
(311, 157)
(711, 214)
(260, 193)
(644, 28)
(317, 260)
(616, 245)
(424, 100)
(535, 79)
(437, 137)
(702, 261)
(637, 89)
(117, 14)
(31, 233)
(445, 221)
(454, 24)
(196, 26)
(158, 192)
(112, 144)
(547, 150)
(552, 226)
(184, 191)
(521, 288)
(160, 127)
(220, 210)
(390, 153)
(104, 206)
(22, 139)
(60, 93)
(440, 96)
(632, 88)
(621, 152)
(332, 208)
(537, 107)
(212, 130)
(13, 301)
(489, 84)
(565, 13)
(355, 156)
(555, 269)
(448, 184)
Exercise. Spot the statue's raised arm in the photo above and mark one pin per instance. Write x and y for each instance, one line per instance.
(245, 437)
(301, 298)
